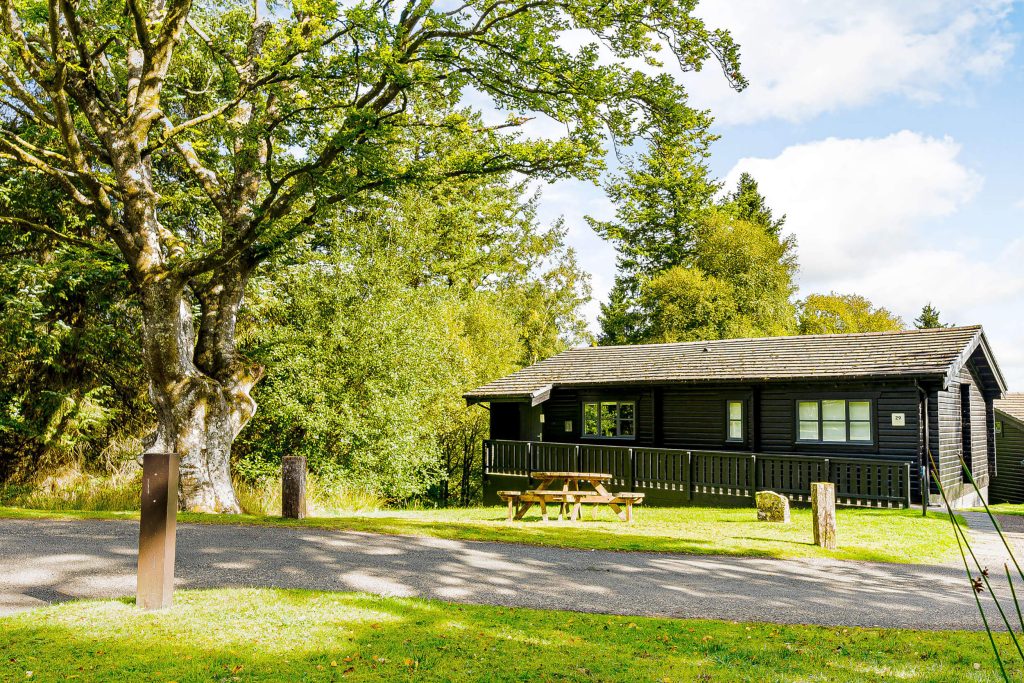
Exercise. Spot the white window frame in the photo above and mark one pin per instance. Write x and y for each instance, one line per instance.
(618, 420)
(730, 420)
(820, 422)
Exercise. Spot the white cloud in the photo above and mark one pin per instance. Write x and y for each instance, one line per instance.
(869, 215)
(804, 58)
(854, 203)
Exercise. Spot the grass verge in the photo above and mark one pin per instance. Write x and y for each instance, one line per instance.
(900, 536)
(271, 635)
(1011, 509)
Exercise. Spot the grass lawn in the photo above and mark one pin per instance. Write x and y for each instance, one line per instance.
(1014, 509)
(264, 635)
(879, 535)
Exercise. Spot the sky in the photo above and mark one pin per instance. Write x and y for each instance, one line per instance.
(891, 134)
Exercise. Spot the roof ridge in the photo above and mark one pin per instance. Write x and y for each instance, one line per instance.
(838, 335)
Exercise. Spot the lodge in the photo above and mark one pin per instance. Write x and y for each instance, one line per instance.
(716, 421)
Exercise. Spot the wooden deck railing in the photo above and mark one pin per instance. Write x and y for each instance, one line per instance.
(683, 474)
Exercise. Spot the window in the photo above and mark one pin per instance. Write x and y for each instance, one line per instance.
(610, 419)
(834, 421)
(735, 421)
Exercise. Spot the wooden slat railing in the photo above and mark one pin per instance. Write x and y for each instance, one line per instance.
(866, 482)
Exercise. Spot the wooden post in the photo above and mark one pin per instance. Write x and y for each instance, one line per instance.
(293, 486)
(157, 526)
(906, 486)
(823, 514)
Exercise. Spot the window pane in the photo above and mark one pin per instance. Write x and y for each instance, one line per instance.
(609, 412)
(625, 428)
(590, 419)
(627, 410)
(809, 431)
(860, 431)
(833, 410)
(860, 410)
(833, 431)
(736, 430)
(809, 411)
(735, 410)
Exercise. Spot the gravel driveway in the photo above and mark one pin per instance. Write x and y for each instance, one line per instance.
(50, 561)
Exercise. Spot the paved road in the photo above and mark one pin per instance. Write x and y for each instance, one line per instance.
(50, 561)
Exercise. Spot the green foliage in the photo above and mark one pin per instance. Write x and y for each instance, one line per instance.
(930, 318)
(70, 378)
(845, 313)
(737, 282)
(371, 343)
(749, 205)
(661, 198)
(690, 267)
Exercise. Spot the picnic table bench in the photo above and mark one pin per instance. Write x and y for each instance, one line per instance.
(570, 495)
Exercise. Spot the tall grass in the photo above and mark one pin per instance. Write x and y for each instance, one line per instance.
(72, 489)
(323, 498)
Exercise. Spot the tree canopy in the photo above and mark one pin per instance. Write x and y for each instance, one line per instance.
(845, 313)
(736, 282)
(690, 265)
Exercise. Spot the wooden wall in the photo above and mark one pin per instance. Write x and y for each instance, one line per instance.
(1007, 486)
(947, 418)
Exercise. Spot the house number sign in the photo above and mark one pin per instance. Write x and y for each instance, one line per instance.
(899, 419)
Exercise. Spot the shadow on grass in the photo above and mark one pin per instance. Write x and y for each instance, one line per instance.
(269, 635)
(696, 531)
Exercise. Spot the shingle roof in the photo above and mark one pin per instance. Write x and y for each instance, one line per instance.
(913, 353)
(1012, 405)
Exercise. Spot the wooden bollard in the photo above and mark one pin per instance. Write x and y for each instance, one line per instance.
(157, 526)
(293, 486)
(823, 513)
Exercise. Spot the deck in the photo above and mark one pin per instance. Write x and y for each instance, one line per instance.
(674, 476)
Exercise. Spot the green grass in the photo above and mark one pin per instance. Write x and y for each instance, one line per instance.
(901, 536)
(274, 635)
(1014, 509)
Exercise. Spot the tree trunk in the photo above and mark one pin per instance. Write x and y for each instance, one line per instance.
(199, 389)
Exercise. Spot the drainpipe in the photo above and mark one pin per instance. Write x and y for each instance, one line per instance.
(926, 479)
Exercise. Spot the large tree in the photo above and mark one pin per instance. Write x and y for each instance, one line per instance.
(198, 140)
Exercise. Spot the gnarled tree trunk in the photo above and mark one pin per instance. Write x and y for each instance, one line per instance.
(199, 386)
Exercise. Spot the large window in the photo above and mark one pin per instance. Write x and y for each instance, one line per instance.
(834, 421)
(735, 411)
(609, 419)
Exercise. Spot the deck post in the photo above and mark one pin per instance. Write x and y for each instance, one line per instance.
(157, 527)
(689, 475)
(529, 459)
(632, 472)
(906, 485)
(579, 459)
(753, 475)
(293, 486)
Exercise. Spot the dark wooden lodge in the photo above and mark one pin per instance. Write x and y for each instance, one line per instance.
(1008, 475)
(716, 421)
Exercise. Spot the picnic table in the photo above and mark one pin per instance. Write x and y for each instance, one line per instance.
(575, 490)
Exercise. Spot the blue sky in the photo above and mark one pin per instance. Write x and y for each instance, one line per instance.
(892, 136)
